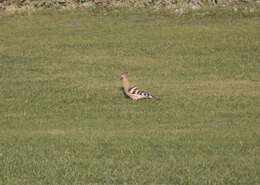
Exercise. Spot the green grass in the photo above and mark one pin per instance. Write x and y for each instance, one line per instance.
(64, 120)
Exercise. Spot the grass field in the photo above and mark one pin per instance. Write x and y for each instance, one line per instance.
(64, 120)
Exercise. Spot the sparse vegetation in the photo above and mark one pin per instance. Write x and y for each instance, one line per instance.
(64, 120)
(179, 5)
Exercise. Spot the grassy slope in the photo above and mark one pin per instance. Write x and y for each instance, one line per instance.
(63, 119)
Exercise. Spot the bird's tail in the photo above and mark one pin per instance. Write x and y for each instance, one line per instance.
(154, 97)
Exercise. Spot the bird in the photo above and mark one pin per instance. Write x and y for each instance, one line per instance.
(133, 92)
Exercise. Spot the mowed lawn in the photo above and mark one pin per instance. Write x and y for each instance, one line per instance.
(65, 121)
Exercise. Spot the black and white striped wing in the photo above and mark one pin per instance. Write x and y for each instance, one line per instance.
(136, 93)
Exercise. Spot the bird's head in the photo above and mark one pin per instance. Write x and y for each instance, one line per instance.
(124, 76)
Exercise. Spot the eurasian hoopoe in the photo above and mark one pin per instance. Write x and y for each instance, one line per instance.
(133, 92)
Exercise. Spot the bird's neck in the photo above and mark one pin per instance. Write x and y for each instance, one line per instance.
(125, 84)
